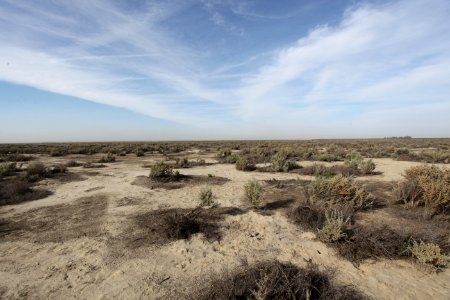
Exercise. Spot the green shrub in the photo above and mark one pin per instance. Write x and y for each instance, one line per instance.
(8, 168)
(35, 171)
(182, 163)
(279, 160)
(206, 197)
(334, 227)
(161, 170)
(366, 166)
(243, 164)
(253, 192)
(356, 162)
(139, 153)
(108, 158)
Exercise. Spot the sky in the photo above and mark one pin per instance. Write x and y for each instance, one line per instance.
(223, 69)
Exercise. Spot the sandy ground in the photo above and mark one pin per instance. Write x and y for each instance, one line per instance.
(76, 250)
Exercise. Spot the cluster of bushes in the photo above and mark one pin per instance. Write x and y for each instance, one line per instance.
(15, 158)
(107, 159)
(37, 171)
(340, 191)
(276, 280)
(428, 156)
(186, 163)
(281, 163)
(8, 169)
(244, 164)
(163, 171)
(356, 162)
(425, 186)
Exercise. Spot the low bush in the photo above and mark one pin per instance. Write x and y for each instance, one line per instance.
(253, 192)
(279, 160)
(340, 190)
(206, 197)
(243, 164)
(334, 228)
(276, 280)
(72, 163)
(161, 170)
(139, 153)
(356, 162)
(429, 253)
(108, 158)
(16, 158)
(425, 186)
(8, 168)
(35, 171)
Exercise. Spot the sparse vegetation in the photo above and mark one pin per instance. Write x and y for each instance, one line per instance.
(253, 192)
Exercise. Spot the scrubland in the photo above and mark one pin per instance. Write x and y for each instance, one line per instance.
(319, 219)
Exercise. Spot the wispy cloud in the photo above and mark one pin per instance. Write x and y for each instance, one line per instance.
(377, 56)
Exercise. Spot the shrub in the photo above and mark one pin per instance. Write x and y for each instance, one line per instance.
(429, 253)
(356, 162)
(279, 160)
(224, 153)
(206, 197)
(18, 157)
(230, 159)
(366, 166)
(72, 163)
(340, 190)
(182, 163)
(427, 186)
(161, 170)
(276, 280)
(35, 171)
(7, 169)
(108, 158)
(334, 227)
(243, 164)
(139, 153)
(253, 192)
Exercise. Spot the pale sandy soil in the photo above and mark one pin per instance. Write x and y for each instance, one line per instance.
(62, 265)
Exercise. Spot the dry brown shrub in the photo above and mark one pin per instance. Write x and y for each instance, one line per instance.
(341, 191)
(276, 280)
(426, 186)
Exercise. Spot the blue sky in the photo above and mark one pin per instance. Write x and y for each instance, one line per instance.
(223, 69)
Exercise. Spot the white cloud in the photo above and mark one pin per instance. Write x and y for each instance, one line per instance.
(396, 53)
